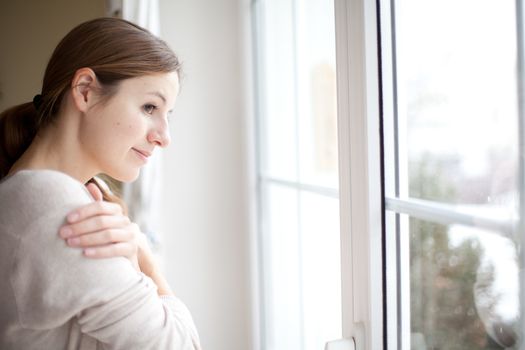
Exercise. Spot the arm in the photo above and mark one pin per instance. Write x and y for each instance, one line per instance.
(111, 301)
(103, 231)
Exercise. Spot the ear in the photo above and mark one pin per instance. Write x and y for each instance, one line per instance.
(83, 88)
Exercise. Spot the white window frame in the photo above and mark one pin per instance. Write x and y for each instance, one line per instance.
(360, 172)
(520, 19)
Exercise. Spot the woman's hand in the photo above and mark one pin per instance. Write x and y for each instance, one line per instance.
(102, 230)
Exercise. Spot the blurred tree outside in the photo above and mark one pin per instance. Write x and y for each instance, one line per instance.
(442, 275)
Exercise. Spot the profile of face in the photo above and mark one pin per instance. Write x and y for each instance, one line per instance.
(120, 134)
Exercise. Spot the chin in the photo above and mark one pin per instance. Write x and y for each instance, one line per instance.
(126, 177)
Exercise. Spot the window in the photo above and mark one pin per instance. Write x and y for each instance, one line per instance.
(298, 174)
(431, 192)
(432, 176)
(451, 127)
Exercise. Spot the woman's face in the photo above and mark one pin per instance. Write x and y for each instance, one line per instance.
(119, 135)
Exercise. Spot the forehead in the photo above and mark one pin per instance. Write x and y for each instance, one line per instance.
(165, 84)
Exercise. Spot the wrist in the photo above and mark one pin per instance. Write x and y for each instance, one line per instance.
(147, 264)
(163, 287)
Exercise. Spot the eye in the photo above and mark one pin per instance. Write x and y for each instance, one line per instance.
(149, 108)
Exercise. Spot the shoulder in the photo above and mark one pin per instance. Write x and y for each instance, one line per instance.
(35, 182)
(37, 201)
(36, 190)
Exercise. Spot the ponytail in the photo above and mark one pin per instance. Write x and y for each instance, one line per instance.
(18, 127)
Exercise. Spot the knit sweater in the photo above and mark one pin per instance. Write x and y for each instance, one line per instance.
(53, 297)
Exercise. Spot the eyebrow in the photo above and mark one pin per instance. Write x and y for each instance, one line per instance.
(158, 94)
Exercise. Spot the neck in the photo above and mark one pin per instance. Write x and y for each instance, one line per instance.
(56, 147)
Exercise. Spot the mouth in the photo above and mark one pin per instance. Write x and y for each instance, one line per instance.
(143, 155)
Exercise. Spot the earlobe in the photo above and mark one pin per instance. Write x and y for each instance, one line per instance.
(82, 88)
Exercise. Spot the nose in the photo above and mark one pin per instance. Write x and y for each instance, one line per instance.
(159, 134)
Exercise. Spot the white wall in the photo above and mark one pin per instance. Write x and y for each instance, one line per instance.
(205, 212)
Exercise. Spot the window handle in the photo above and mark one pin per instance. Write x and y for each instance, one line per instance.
(341, 344)
(355, 342)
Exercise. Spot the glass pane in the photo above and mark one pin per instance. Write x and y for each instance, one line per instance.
(278, 127)
(302, 274)
(457, 100)
(298, 143)
(317, 96)
(464, 288)
(321, 270)
(281, 252)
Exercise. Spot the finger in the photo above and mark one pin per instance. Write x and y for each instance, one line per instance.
(95, 192)
(101, 238)
(92, 209)
(109, 251)
(94, 224)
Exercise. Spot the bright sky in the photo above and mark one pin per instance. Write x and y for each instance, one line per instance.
(459, 78)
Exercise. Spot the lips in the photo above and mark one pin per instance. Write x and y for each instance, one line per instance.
(142, 154)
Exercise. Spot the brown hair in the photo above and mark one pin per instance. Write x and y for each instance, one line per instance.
(113, 48)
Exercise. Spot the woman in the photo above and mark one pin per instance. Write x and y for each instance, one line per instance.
(107, 91)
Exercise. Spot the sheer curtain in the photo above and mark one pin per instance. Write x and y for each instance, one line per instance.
(145, 13)
(143, 195)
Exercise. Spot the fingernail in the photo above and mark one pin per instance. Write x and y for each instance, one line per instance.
(72, 217)
(65, 232)
(89, 251)
(73, 241)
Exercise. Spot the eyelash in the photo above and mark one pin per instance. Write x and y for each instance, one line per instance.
(149, 108)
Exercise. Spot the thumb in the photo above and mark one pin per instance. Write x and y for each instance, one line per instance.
(95, 192)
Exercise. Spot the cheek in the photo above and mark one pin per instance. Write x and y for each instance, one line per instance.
(127, 130)
(111, 133)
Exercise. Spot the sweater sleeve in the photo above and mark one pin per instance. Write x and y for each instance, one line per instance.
(111, 302)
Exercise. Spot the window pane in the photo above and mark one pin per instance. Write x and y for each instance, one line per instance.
(317, 107)
(457, 100)
(298, 153)
(302, 274)
(321, 270)
(464, 288)
(299, 109)
(281, 255)
(278, 123)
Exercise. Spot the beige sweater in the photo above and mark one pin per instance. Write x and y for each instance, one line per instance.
(52, 297)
